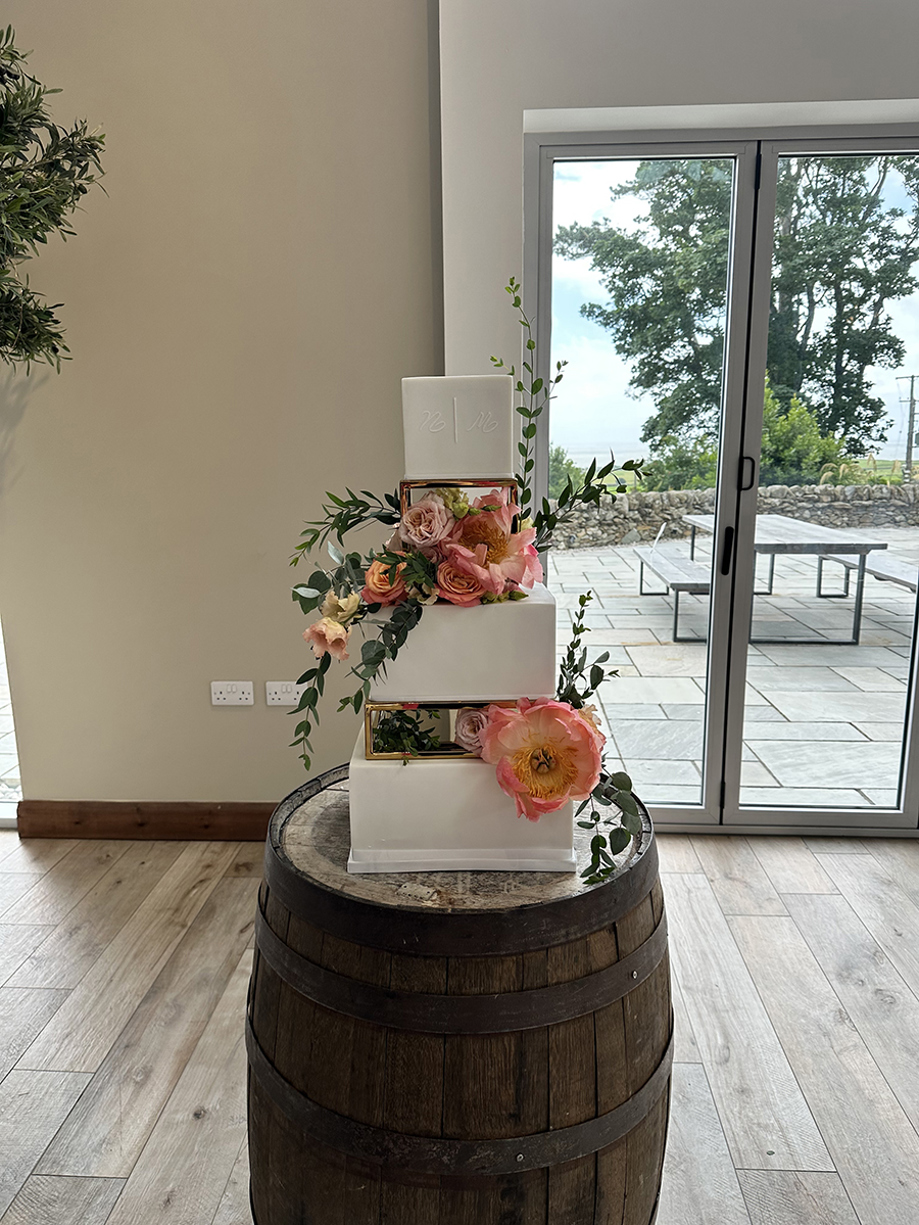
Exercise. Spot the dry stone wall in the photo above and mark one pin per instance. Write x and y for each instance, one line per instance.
(638, 516)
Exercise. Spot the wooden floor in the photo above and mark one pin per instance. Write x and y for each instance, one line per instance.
(123, 973)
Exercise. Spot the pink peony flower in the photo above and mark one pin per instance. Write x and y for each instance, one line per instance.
(458, 586)
(545, 754)
(471, 721)
(484, 545)
(328, 637)
(426, 523)
(377, 587)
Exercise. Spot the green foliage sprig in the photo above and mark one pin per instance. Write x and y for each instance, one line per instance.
(613, 793)
(588, 492)
(402, 731)
(45, 171)
(375, 655)
(536, 394)
(342, 515)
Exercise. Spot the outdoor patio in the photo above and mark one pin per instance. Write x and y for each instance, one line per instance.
(823, 724)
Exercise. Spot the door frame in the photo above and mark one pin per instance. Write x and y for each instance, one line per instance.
(755, 154)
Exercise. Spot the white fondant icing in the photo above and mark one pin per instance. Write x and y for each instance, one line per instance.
(459, 427)
(430, 816)
(476, 654)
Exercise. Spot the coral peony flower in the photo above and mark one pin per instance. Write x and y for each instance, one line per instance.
(458, 586)
(328, 637)
(471, 721)
(484, 545)
(377, 587)
(545, 754)
(426, 523)
(338, 610)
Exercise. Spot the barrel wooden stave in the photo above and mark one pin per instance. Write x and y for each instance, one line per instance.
(475, 1086)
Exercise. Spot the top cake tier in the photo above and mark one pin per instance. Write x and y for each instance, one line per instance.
(457, 428)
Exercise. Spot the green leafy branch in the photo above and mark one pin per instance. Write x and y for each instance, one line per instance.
(574, 665)
(375, 654)
(342, 515)
(588, 492)
(401, 731)
(536, 394)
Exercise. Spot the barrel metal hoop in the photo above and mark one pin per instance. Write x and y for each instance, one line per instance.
(445, 1157)
(398, 929)
(460, 1014)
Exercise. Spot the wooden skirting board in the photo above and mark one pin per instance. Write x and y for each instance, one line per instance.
(157, 820)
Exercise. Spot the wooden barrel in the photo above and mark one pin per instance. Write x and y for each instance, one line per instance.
(453, 1048)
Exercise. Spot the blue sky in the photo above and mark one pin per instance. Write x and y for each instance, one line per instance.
(594, 411)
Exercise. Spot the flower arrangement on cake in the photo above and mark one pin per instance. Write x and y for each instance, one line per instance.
(467, 543)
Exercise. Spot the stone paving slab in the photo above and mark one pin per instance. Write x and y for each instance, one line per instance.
(861, 764)
(755, 732)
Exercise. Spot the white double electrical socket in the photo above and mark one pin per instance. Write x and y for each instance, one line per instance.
(232, 693)
(283, 693)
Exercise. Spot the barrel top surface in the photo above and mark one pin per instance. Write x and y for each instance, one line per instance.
(310, 833)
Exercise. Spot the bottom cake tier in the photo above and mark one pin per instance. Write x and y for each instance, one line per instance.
(441, 816)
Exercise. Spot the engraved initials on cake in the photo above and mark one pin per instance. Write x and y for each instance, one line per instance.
(433, 422)
(484, 422)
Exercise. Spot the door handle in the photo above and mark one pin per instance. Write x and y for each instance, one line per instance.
(743, 485)
(728, 553)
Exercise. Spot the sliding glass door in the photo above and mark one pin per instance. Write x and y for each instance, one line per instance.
(744, 315)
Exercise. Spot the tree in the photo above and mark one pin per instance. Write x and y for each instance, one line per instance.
(44, 173)
(841, 254)
(561, 468)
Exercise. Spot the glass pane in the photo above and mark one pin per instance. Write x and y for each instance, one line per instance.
(829, 646)
(639, 304)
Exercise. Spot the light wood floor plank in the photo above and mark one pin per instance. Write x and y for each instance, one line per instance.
(17, 942)
(24, 1012)
(888, 913)
(872, 1142)
(839, 846)
(234, 1206)
(74, 946)
(85, 1027)
(9, 841)
(183, 1171)
(13, 886)
(737, 877)
(685, 1047)
(250, 861)
(780, 1197)
(885, 1011)
(32, 1107)
(63, 1201)
(56, 893)
(900, 857)
(791, 866)
(696, 1143)
(765, 1117)
(107, 1129)
(677, 853)
(37, 855)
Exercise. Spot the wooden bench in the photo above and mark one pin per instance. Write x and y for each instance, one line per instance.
(886, 566)
(678, 572)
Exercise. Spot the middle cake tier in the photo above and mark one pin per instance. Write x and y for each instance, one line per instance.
(476, 654)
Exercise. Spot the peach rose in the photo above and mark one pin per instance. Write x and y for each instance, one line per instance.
(377, 587)
(458, 586)
(328, 637)
(484, 545)
(545, 754)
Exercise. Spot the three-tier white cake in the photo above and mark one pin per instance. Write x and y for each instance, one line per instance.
(435, 814)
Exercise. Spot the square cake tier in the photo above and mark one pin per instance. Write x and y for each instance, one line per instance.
(462, 426)
(476, 654)
(440, 816)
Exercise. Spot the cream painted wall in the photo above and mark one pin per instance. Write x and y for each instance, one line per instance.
(241, 308)
(502, 57)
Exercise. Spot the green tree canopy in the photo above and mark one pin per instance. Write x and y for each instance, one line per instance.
(44, 173)
(841, 254)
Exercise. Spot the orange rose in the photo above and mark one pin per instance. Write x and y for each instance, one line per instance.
(377, 586)
(457, 586)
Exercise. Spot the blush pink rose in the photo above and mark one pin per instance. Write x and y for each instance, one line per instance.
(328, 637)
(545, 754)
(458, 586)
(471, 721)
(425, 524)
(377, 587)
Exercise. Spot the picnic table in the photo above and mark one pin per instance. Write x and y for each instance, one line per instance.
(781, 534)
